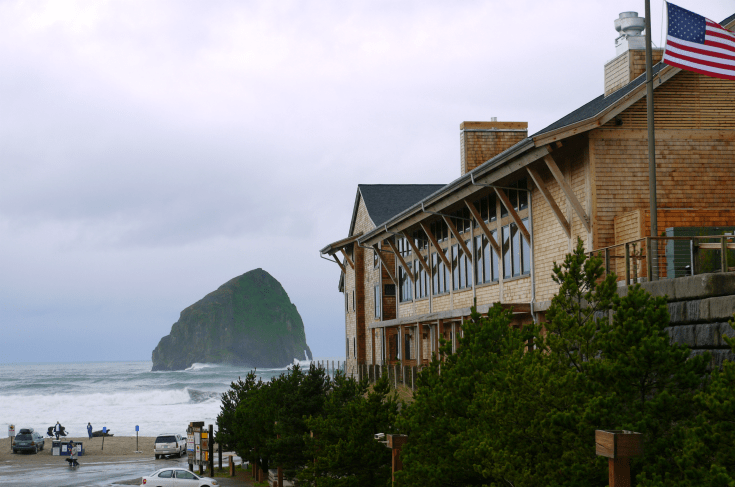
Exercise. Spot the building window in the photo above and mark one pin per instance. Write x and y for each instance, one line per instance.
(353, 301)
(461, 220)
(354, 347)
(422, 280)
(440, 231)
(441, 277)
(461, 267)
(487, 208)
(376, 260)
(486, 260)
(405, 285)
(516, 251)
(390, 290)
(407, 347)
(376, 297)
(347, 302)
(347, 347)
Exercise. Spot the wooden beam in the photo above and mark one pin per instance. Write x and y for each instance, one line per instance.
(550, 200)
(509, 206)
(460, 240)
(484, 227)
(439, 250)
(406, 267)
(567, 189)
(447, 199)
(418, 255)
(339, 264)
(347, 258)
(385, 264)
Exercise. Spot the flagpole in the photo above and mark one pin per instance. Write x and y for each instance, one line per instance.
(651, 143)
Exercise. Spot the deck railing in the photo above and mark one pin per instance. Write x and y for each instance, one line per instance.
(653, 258)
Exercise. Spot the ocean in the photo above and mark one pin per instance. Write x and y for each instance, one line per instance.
(118, 395)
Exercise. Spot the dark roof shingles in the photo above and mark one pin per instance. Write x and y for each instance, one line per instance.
(384, 201)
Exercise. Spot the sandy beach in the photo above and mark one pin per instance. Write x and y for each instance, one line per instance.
(115, 448)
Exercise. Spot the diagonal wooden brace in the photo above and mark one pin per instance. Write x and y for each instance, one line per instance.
(509, 206)
(405, 266)
(460, 240)
(484, 227)
(434, 242)
(385, 264)
(550, 200)
(568, 192)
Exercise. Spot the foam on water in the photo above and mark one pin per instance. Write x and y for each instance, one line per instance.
(117, 395)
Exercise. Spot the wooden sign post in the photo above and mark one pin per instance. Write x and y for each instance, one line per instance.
(619, 446)
(395, 443)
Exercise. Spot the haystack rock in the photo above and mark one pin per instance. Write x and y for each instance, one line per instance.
(249, 321)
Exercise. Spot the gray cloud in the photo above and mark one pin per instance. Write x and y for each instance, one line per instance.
(150, 151)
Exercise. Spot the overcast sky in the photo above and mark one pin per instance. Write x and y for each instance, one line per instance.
(151, 151)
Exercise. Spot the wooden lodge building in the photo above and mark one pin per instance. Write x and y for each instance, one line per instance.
(417, 257)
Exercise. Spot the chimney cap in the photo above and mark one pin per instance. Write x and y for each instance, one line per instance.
(629, 24)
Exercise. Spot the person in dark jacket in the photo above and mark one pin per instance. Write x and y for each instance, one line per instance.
(89, 430)
(57, 430)
(72, 455)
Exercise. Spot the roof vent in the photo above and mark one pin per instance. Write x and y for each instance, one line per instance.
(493, 119)
(630, 26)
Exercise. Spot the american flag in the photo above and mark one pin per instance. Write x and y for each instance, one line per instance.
(695, 43)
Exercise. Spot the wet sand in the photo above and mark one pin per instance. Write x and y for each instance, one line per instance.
(118, 461)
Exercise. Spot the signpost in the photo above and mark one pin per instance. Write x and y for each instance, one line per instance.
(137, 428)
(11, 434)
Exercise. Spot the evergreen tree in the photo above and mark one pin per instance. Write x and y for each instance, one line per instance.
(341, 444)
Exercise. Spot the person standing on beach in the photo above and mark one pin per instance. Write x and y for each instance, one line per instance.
(89, 430)
(57, 430)
(73, 454)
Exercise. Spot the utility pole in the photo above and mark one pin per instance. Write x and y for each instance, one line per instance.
(651, 145)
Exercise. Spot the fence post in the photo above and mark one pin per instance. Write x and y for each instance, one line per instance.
(723, 257)
(649, 257)
(627, 264)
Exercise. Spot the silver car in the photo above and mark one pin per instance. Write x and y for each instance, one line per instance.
(178, 477)
(169, 444)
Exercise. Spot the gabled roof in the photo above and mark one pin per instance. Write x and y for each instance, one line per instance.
(599, 104)
(384, 201)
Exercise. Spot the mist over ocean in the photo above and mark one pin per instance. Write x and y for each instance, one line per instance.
(118, 395)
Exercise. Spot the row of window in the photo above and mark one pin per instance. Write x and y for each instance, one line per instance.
(516, 262)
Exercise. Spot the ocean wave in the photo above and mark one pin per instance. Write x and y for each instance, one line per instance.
(198, 366)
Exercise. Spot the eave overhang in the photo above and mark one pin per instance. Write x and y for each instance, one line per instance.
(335, 247)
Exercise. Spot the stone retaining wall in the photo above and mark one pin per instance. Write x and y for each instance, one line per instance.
(700, 308)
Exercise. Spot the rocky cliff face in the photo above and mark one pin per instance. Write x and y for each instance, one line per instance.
(248, 321)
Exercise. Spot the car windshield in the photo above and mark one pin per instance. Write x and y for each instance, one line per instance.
(166, 439)
(23, 437)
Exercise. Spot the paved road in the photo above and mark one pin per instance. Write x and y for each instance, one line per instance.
(88, 474)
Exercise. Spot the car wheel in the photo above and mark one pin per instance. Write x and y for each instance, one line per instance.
(35, 449)
(158, 456)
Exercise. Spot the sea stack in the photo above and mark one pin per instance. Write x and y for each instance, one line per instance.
(249, 321)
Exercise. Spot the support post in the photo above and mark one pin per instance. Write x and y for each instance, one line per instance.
(651, 127)
(210, 443)
(618, 446)
(723, 254)
(627, 264)
(649, 257)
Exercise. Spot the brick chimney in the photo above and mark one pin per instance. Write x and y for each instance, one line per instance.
(481, 141)
(630, 53)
